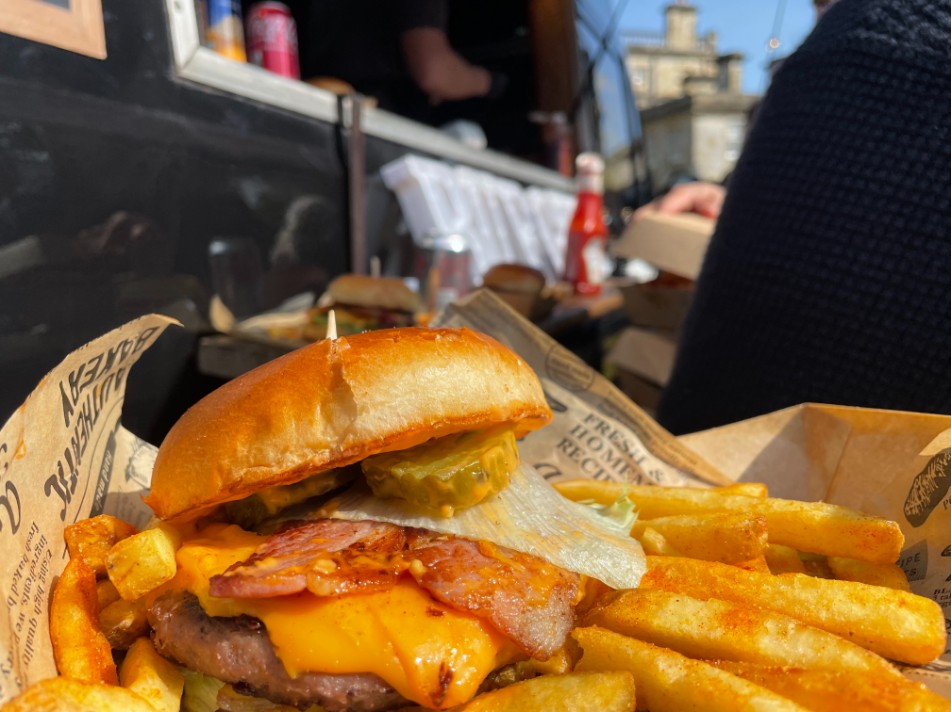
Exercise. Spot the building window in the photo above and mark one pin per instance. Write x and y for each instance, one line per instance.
(734, 141)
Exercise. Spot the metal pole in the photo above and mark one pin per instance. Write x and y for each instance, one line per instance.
(356, 182)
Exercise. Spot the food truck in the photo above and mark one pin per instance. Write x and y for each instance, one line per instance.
(144, 171)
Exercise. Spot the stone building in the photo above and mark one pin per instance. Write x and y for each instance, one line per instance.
(693, 108)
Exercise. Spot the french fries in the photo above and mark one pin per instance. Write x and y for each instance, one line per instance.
(106, 593)
(667, 681)
(142, 562)
(653, 542)
(80, 649)
(604, 691)
(718, 630)
(719, 536)
(834, 691)
(152, 677)
(89, 619)
(896, 624)
(123, 622)
(817, 527)
(62, 694)
(91, 539)
(888, 575)
(783, 560)
(749, 489)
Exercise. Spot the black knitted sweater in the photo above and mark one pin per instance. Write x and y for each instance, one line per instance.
(829, 276)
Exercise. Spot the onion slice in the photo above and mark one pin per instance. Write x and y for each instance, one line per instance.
(528, 516)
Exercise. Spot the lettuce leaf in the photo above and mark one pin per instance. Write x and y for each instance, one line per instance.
(528, 516)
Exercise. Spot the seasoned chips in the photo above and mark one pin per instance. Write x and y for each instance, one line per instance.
(667, 681)
(572, 692)
(895, 624)
(817, 527)
(142, 562)
(80, 649)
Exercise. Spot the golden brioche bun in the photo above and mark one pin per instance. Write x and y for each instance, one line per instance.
(514, 278)
(334, 403)
(365, 291)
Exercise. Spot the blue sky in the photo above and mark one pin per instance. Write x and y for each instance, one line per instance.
(741, 25)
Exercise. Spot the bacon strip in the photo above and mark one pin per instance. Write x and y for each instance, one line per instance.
(327, 557)
(524, 597)
(528, 599)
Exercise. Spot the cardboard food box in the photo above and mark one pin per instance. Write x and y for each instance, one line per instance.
(658, 304)
(644, 359)
(673, 243)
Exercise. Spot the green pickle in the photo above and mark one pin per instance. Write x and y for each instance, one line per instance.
(448, 473)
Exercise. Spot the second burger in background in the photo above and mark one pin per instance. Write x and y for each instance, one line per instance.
(524, 288)
(362, 302)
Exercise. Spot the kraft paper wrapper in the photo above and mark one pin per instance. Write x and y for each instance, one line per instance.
(64, 455)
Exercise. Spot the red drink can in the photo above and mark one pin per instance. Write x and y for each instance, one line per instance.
(272, 39)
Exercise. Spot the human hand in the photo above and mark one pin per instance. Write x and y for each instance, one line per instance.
(698, 197)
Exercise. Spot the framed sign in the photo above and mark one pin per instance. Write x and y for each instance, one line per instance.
(74, 25)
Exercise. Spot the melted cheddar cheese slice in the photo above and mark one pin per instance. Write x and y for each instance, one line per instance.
(430, 653)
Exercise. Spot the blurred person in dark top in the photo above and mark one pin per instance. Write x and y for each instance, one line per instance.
(828, 278)
(396, 51)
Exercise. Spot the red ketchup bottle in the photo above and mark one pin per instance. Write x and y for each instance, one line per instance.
(586, 263)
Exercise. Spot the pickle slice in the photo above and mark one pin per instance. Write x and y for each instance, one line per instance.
(448, 473)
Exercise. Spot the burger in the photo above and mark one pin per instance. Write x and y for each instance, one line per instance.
(524, 288)
(362, 302)
(358, 533)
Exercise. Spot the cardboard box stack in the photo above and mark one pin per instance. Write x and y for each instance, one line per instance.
(644, 353)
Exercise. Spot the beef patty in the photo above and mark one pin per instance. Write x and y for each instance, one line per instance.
(238, 651)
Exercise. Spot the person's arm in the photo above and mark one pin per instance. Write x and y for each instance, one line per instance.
(438, 70)
(698, 197)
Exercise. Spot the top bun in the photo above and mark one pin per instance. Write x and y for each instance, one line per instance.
(514, 278)
(361, 290)
(335, 402)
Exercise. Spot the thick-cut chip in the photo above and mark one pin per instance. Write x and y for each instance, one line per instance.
(106, 593)
(61, 694)
(783, 560)
(718, 630)
(729, 537)
(90, 539)
(888, 575)
(757, 564)
(152, 677)
(749, 489)
(123, 622)
(896, 624)
(80, 649)
(834, 691)
(142, 562)
(818, 527)
(667, 681)
(573, 692)
(655, 543)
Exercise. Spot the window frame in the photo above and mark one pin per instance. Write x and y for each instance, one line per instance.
(201, 65)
